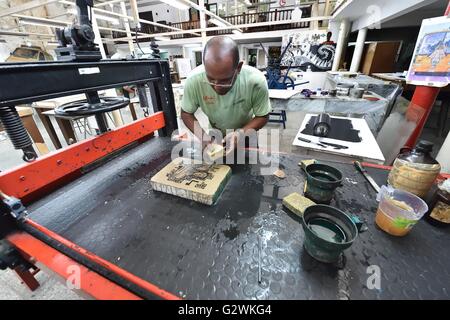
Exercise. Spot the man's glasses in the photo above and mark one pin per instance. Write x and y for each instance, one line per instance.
(220, 84)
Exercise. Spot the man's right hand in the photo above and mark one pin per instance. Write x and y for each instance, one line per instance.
(207, 141)
(213, 151)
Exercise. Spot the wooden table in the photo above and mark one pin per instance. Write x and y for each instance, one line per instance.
(396, 78)
(401, 80)
(65, 123)
(408, 91)
(133, 101)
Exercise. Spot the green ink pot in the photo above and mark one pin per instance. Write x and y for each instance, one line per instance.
(328, 232)
(321, 181)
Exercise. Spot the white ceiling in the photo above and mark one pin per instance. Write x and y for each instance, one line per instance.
(415, 18)
(392, 13)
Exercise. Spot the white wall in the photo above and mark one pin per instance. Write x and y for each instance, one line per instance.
(173, 51)
(123, 49)
(334, 27)
(5, 50)
(160, 13)
(289, 3)
(189, 53)
(364, 13)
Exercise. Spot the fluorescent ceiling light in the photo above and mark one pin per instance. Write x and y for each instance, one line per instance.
(177, 4)
(42, 23)
(107, 18)
(162, 38)
(24, 34)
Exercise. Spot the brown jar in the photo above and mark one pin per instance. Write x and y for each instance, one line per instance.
(415, 171)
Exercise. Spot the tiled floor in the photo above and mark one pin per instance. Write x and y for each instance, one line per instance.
(51, 288)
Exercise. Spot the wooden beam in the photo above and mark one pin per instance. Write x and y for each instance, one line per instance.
(126, 24)
(128, 17)
(102, 4)
(135, 12)
(56, 23)
(202, 20)
(62, 23)
(24, 7)
(45, 20)
(24, 34)
(122, 30)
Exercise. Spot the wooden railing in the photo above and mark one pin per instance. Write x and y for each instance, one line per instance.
(186, 25)
(275, 15)
(147, 28)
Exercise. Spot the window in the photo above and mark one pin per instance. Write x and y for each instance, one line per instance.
(41, 56)
(222, 9)
(213, 8)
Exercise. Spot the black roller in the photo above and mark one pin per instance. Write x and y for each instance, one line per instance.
(322, 125)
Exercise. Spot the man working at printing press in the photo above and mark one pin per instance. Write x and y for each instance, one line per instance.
(231, 95)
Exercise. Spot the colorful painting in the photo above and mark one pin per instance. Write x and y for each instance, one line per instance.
(431, 63)
(309, 49)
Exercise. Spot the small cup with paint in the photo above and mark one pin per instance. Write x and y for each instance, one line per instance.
(398, 211)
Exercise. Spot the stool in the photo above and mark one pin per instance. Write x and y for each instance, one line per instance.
(282, 117)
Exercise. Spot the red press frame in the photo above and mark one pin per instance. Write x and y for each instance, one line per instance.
(29, 181)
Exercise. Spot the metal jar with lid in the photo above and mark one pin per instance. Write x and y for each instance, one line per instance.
(415, 171)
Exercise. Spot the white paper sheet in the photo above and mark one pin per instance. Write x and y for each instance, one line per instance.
(367, 149)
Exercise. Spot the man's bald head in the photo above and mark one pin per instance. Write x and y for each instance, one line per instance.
(221, 61)
(221, 49)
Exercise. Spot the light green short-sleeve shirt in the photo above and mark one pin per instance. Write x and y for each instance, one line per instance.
(249, 97)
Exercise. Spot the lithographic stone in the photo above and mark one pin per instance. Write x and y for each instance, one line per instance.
(199, 182)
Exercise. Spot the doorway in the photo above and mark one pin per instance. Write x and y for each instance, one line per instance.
(193, 13)
(198, 58)
(252, 57)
